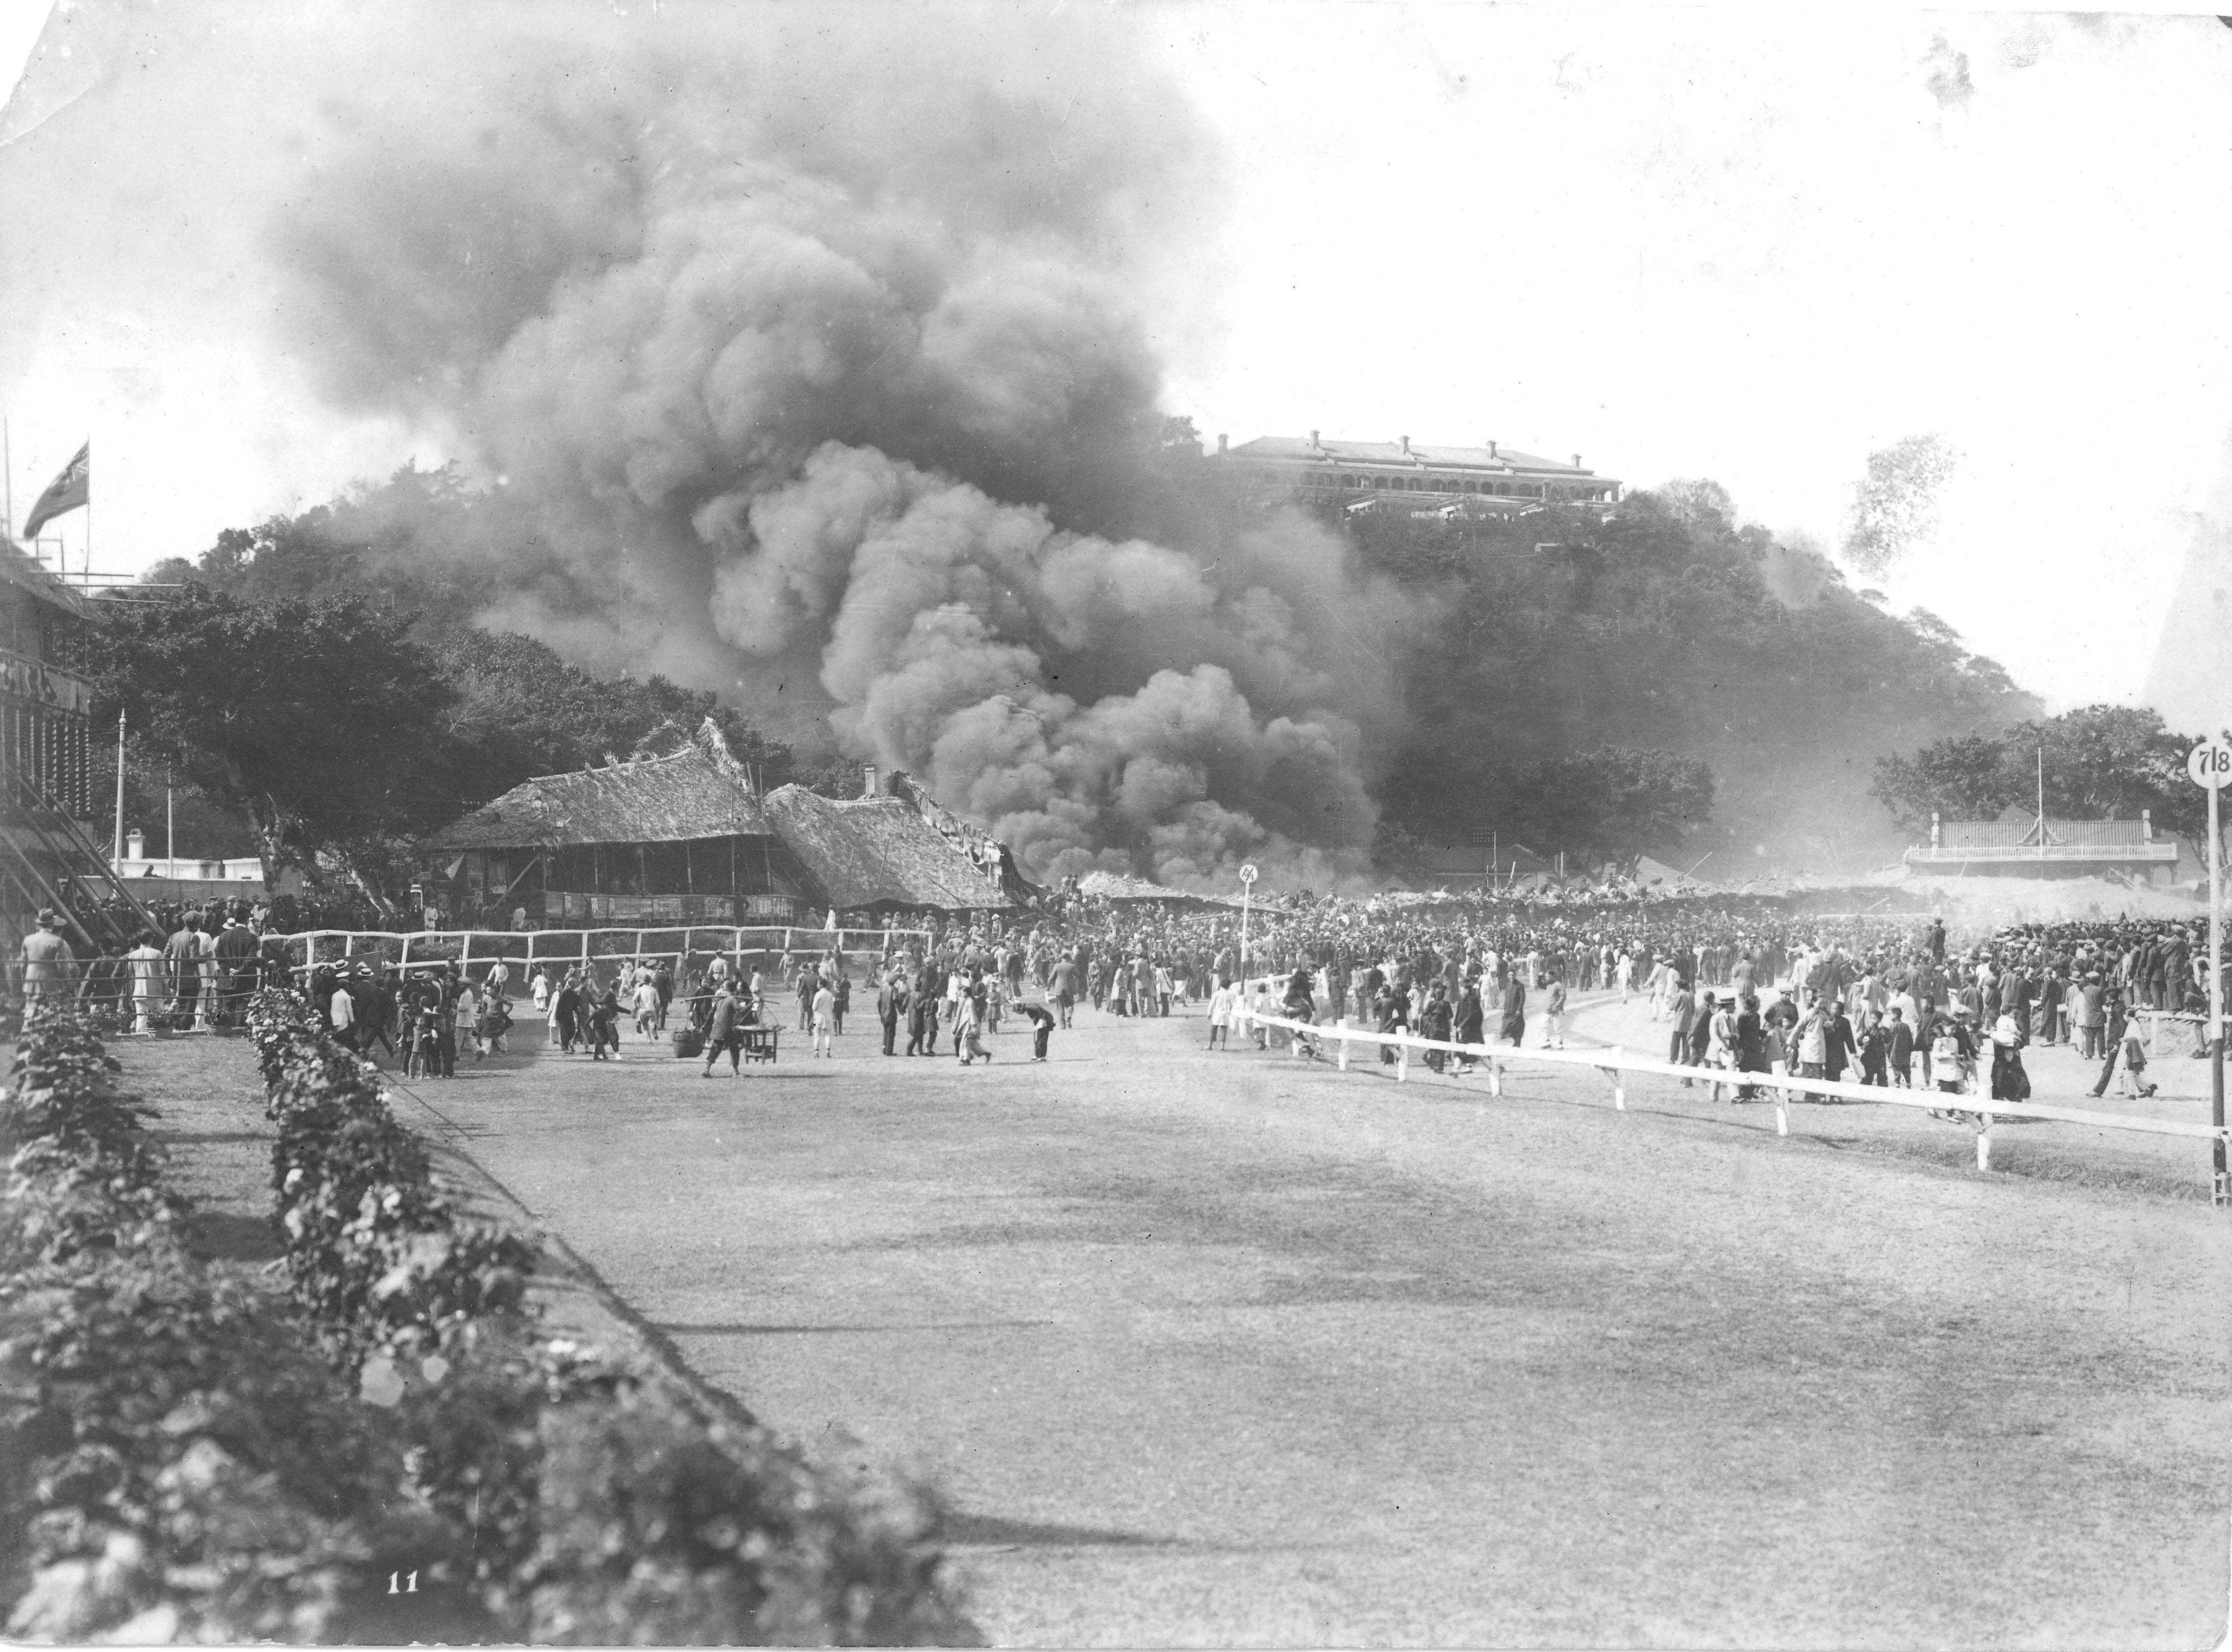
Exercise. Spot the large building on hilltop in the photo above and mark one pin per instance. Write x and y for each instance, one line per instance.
(687, 838)
(1494, 480)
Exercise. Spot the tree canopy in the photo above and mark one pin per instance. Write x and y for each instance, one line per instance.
(320, 721)
(2101, 762)
(1663, 629)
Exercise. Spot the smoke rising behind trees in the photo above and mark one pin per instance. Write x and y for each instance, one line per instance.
(814, 357)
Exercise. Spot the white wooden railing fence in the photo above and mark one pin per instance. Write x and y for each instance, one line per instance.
(526, 948)
(1616, 1064)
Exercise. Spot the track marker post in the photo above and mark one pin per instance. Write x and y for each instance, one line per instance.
(1984, 1142)
(1495, 1076)
(1612, 1072)
(1343, 1025)
(2209, 765)
(1403, 1062)
(1782, 1108)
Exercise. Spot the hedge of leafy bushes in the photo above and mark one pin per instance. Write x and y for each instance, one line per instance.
(605, 1505)
(178, 1459)
(173, 1460)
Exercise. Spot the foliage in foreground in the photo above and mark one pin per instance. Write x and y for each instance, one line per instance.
(176, 1460)
(606, 1506)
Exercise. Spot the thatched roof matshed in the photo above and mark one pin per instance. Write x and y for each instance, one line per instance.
(873, 852)
(902, 849)
(697, 792)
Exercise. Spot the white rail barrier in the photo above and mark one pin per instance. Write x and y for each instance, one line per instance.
(1615, 1063)
(528, 947)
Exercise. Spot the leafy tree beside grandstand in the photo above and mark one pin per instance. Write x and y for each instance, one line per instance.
(320, 721)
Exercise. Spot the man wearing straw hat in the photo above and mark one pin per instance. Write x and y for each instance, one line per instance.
(48, 963)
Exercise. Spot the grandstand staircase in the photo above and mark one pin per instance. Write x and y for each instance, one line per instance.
(47, 860)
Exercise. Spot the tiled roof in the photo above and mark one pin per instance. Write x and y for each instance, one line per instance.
(1339, 451)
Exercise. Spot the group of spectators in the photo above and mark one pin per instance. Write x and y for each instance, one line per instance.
(198, 974)
(1742, 987)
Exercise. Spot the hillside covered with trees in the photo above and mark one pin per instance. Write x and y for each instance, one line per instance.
(1661, 680)
(1667, 630)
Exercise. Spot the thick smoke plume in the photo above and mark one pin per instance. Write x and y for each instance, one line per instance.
(814, 362)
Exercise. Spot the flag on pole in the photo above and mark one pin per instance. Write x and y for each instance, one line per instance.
(68, 491)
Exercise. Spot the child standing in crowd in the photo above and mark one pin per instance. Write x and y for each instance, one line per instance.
(825, 1021)
(1220, 1016)
(466, 1017)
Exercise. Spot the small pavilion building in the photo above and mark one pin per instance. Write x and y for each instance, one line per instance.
(2021, 844)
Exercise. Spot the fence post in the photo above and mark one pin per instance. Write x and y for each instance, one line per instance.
(1495, 1076)
(1783, 1108)
(1401, 1060)
(1983, 1141)
(1343, 1025)
(1618, 1087)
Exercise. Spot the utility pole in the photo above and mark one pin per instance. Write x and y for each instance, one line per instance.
(2210, 765)
(1247, 890)
(119, 790)
(2220, 1192)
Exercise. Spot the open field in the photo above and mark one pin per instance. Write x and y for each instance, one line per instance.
(1217, 1348)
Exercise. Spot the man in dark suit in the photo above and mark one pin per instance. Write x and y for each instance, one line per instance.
(1682, 1012)
(1838, 1045)
(1700, 1038)
(1901, 1042)
(724, 1031)
(890, 1003)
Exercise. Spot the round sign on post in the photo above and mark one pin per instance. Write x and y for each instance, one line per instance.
(2210, 763)
(1248, 873)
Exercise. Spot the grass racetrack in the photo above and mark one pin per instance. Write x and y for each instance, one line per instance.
(1219, 1348)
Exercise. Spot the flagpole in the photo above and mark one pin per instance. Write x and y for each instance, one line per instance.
(8, 483)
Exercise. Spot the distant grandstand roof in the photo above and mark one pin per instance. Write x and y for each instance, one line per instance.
(1122, 886)
(2005, 833)
(23, 571)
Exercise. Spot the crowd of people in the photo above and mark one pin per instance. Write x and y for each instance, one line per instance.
(1741, 987)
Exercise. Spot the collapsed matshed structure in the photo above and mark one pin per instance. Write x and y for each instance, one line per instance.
(687, 838)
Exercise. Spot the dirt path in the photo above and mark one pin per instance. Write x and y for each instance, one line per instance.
(1230, 1348)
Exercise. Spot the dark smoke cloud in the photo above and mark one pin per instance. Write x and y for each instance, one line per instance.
(808, 352)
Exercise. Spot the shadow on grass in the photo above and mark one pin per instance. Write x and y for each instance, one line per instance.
(993, 1530)
(844, 1331)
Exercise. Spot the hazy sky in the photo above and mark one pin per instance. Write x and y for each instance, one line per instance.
(1736, 244)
